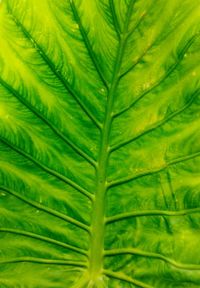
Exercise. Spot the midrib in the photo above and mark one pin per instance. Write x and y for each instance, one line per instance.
(98, 216)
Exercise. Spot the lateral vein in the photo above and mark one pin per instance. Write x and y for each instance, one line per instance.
(47, 169)
(55, 71)
(115, 20)
(48, 123)
(123, 277)
(144, 213)
(43, 261)
(154, 170)
(44, 238)
(47, 209)
(133, 251)
(156, 125)
(87, 43)
(162, 79)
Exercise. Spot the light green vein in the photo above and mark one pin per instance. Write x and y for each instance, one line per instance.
(132, 67)
(157, 124)
(44, 239)
(47, 122)
(154, 43)
(47, 169)
(55, 71)
(123, 277)
(48, 210)
(43, 261)
(98, 224)
(145, 213)
(139, 252)
(162, 79)
(87, 43)
(127, 179)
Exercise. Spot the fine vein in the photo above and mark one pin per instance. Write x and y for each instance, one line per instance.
(139, 252)
(43, 238)
(48, 123)
(87, 43)
(123, 277)
(47, 209)
(162, 79)
(56, 72)
(145, 213)
(147, 172)
(48, 170)
(157, 124)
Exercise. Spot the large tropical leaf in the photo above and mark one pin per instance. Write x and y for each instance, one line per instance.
(99, 151)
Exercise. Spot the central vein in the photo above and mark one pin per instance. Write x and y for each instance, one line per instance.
(98, 216)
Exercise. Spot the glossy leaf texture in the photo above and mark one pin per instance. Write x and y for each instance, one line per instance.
(100, 146)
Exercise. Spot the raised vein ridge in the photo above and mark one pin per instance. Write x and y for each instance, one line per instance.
(98, 216)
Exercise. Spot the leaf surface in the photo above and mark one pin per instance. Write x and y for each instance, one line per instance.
(99, 150)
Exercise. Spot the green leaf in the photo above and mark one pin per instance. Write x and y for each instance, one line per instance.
(100, 146)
